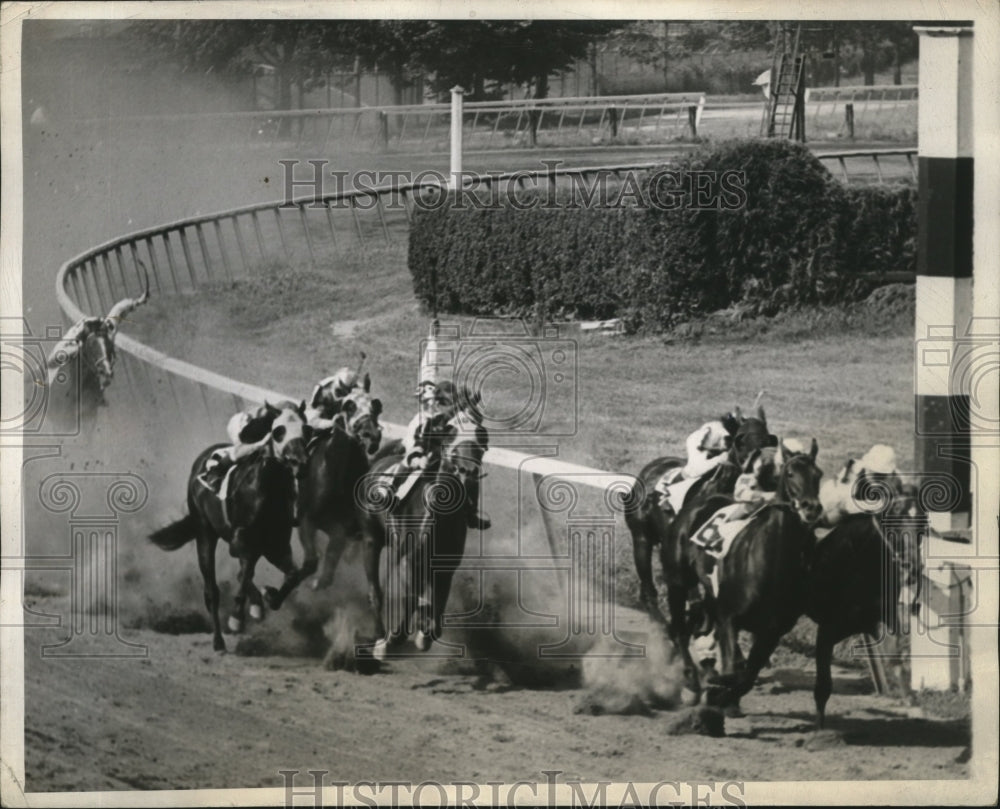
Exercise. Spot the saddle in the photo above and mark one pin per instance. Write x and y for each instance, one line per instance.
(218, 484)
(673, 488)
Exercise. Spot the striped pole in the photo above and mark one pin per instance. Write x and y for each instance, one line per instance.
(939, 652)
(944, 273)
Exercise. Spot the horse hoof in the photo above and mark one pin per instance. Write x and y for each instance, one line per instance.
(733, 711)
(219, 645)
(422, 641)
(271, 598)
(235, 625)
(256, 612)
(380, 649)
(689, 698)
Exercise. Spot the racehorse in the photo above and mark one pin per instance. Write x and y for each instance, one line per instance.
(81, 366)
(427, 530)
(255, 519)
(337, 461)
(857, 576)
(648, 522)
(763, 578)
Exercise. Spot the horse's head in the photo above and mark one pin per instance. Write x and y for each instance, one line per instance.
(749, 434)
(463, 450)
(798, 480)
(288, 436)
(360, 412)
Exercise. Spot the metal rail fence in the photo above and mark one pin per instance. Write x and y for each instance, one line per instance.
(868, 111)
(423, 128)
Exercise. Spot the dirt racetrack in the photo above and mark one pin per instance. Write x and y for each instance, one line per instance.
(189, 718)
(184, 717)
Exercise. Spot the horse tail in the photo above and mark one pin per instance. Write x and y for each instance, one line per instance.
(176, 535)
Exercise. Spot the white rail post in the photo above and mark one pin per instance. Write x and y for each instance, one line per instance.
(456, 135)
(938, 649)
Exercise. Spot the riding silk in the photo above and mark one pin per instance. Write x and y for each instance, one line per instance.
(674, 488)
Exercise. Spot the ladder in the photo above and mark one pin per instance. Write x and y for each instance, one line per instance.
(785, 113)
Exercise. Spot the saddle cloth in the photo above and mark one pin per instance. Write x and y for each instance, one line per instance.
(716, 536)
(674, 487)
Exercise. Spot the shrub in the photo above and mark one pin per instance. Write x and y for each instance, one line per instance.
(800, 237)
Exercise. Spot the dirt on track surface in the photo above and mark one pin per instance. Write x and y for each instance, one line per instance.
(186, 717)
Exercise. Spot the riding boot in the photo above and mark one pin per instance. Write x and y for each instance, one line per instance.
(215, 473)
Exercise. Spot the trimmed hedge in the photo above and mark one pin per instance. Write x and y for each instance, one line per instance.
(798, 237)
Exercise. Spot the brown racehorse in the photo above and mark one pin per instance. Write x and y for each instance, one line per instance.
(858, 573)
(337, 461)
(425, 533)
(256, 520)
(763, 580)
(648, 523)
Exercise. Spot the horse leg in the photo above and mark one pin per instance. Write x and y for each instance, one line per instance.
(244, 581)
(642, 553)
(824, 682)
(207, 541)
(281, 557)
(764, 644)
(256, 603)
(679, 633)
(331, 556)
(371, 552)
(307, 539)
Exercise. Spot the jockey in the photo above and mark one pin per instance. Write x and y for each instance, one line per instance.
(248, 431)
(327, 398)
(438, 403)
(841, 496)
(707, 448)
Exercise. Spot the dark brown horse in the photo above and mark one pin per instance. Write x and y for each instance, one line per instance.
(337, 461)
(425, 533)
(763, 579)
(256, 520)
(648, 522)
(857, 575)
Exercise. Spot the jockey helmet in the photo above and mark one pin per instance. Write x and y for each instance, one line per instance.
(344, 381)
(716, 437)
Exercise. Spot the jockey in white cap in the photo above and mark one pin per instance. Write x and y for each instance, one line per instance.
(439, 403)
(841, 496)
(707, 448)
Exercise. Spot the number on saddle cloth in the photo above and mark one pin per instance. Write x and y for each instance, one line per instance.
(716, 535)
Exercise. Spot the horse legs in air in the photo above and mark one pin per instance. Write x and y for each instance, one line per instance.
(307, 538)
(244, 582)
(371, 552)
(338, 535)
(281, 557)
(824, 682)
(679, 632)
(642, 552)
(207, 541)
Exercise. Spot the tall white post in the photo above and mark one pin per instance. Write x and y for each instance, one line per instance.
(456, 135)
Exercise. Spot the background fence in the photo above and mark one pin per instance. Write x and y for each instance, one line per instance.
(868, 113)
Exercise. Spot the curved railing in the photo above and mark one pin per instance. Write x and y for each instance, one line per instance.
(184, 255)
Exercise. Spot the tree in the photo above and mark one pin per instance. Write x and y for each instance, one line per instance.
(299, 52)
